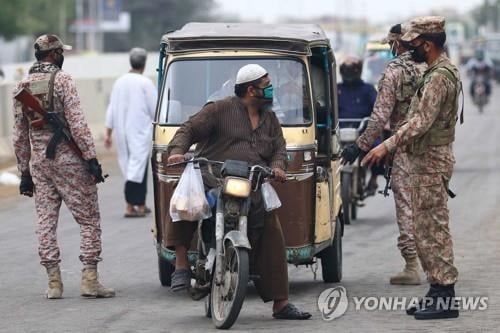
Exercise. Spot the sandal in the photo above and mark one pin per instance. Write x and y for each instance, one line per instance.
(291, 312)
(146, 210)
(135, 213)
(181, 279)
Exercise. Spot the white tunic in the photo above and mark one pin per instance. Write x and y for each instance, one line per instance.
(130, 115)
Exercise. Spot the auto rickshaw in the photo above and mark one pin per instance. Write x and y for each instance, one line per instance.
(197, 64)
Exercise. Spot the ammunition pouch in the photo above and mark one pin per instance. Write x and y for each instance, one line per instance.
(433, 137)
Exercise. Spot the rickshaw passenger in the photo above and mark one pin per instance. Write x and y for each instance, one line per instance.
(356, 100)
(241, 127)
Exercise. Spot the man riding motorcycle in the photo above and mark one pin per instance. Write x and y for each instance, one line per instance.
(241, 127)
(480, 69)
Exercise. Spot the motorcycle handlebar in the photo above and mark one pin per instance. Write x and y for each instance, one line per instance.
(265, 171)
(362, 122)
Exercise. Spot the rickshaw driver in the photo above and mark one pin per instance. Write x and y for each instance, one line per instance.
(241, 127)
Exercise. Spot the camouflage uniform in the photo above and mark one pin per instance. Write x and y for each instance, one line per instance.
(428, 135)
(65, 177)
(395, 90)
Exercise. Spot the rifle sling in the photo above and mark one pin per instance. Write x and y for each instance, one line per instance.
(50, 97)
(50, 152)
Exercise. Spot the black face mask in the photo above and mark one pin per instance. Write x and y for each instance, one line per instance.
(417, 53)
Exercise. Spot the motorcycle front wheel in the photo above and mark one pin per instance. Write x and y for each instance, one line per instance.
(226, 299)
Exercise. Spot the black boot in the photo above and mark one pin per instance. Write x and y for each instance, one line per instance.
(443, 306)
(432, 292)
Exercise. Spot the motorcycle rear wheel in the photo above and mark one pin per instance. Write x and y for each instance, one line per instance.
(227, 298)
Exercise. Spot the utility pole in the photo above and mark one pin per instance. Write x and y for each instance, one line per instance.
(62, 21)
(79, 19)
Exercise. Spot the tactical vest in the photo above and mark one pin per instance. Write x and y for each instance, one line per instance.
(407, 90)
(43, 90)
(442, 130)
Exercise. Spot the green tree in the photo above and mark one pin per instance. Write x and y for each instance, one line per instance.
(35, 17)
(11, 24)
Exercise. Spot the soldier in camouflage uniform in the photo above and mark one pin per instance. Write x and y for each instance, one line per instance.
(428, 135)
(395, 91)
(64, 176)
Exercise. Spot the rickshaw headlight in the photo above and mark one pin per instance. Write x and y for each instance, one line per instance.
(307, 156)
(348, 134)
(237, 187)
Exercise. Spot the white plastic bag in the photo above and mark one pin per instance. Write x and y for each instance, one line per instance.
(188, 202)
(271, 199)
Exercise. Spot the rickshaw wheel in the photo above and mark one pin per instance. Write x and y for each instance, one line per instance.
(354, 212)
(346, 194)
(165, 270)
(331, 257)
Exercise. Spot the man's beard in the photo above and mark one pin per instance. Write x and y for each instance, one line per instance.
(265, 104)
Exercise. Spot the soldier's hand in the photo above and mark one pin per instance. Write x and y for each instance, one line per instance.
(176, 158)
(350, 153)
(95, 169)
(375, 155)
(26, 186)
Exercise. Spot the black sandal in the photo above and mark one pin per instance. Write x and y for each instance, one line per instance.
(181, 280)
(291, 312)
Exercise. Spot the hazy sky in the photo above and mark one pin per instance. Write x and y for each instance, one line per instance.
(375, 10)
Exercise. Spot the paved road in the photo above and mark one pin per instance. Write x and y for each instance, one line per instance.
(370, 256)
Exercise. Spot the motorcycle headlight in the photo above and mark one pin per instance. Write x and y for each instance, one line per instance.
(237, 187)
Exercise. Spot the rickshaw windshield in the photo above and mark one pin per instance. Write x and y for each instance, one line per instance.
(190, 84)
(374, 64)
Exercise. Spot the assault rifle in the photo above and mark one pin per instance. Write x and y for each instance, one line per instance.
(59, 128)
(387, 176)
(61, 132)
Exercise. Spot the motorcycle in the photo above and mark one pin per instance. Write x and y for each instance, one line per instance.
(479, 96)
(479, 88)
(222, 268)
(353, 176)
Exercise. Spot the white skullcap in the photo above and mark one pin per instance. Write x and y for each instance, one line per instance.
(249, 73)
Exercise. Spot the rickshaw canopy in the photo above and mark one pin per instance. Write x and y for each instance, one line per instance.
(291, 38)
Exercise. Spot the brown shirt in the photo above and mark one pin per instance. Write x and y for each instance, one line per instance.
(222, 130)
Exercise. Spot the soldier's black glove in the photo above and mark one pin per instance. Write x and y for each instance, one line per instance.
(94, 168)
(26, 186)
(350, 153)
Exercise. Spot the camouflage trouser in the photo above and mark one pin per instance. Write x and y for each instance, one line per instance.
(72, 184)
(432, 233)
(400, 184)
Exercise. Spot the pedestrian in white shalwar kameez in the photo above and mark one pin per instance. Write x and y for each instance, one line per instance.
(130, 115)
